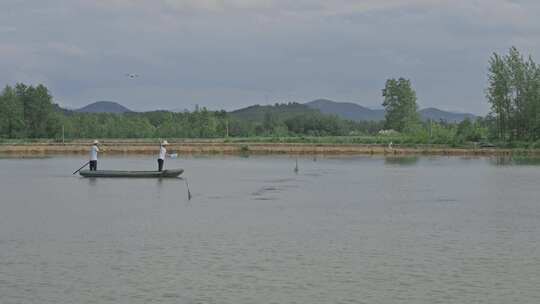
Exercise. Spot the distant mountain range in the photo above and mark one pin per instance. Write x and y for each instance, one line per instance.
(353, 111)
(283, 111)
(104, 107)
(437, 115)
(345, 110)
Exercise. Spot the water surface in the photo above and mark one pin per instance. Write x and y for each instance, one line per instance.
(342, 230)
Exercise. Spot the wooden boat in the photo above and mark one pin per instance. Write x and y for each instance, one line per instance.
(139, 174)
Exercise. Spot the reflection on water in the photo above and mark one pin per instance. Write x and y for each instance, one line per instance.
(507, 160)
(401, 160)
(23, 156)
(342, 230)
(93, 181)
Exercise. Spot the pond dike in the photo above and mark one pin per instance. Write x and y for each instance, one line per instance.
(112, 147)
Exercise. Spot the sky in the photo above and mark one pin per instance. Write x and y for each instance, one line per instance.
(229, 54)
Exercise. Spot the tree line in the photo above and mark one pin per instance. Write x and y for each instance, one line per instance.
(29, 112)
(513, 93)
(400, 103)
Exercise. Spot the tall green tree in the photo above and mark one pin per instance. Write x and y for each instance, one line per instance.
(514, 95)
(400, 105)
(11, 114)
(498, 93)
(38, 110)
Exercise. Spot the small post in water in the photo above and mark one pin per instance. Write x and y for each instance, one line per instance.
(188, 192)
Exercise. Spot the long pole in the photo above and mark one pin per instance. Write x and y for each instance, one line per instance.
(82, 167)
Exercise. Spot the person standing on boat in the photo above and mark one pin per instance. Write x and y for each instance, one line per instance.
(93, 156)
(162, 155)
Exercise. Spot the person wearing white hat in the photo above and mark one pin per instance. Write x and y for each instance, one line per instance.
(162, 155)
(93, 156)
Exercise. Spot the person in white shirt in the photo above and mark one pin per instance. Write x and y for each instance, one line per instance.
(162, 155)
(93, 156)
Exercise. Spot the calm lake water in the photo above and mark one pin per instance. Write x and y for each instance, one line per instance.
(342, 230)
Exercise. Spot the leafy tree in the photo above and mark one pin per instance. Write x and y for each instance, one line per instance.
(468, 130)
(514, 95)
(11, 114)
(38, 110)
(498, 93)
(400, 105)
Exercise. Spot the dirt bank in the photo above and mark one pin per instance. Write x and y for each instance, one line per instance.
(244, 148)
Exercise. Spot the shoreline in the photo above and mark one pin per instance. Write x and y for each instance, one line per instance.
(205, 147)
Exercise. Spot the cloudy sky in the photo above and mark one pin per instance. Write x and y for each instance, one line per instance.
(229, 54)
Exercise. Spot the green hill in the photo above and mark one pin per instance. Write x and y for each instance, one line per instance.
(346, 110)
(104, 107)
(283, 111)
(356, 112)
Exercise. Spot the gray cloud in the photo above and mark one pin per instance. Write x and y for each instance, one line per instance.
(228, 54)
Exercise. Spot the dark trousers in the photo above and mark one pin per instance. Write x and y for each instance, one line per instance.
(160, 165)
(93, 165)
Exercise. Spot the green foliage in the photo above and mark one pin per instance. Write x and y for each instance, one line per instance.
(27, 111)
(11, 114)
(473, 131)
(316, 124)
(258, 113)
(400, 105)
(514, 95)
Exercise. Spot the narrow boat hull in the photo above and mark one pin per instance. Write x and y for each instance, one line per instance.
(132, 174)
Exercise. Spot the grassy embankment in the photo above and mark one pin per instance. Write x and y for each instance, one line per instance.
(368, 145)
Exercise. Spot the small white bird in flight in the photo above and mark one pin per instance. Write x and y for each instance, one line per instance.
(132, 76)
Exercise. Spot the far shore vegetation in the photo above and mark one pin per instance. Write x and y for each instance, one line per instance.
(29, 115)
